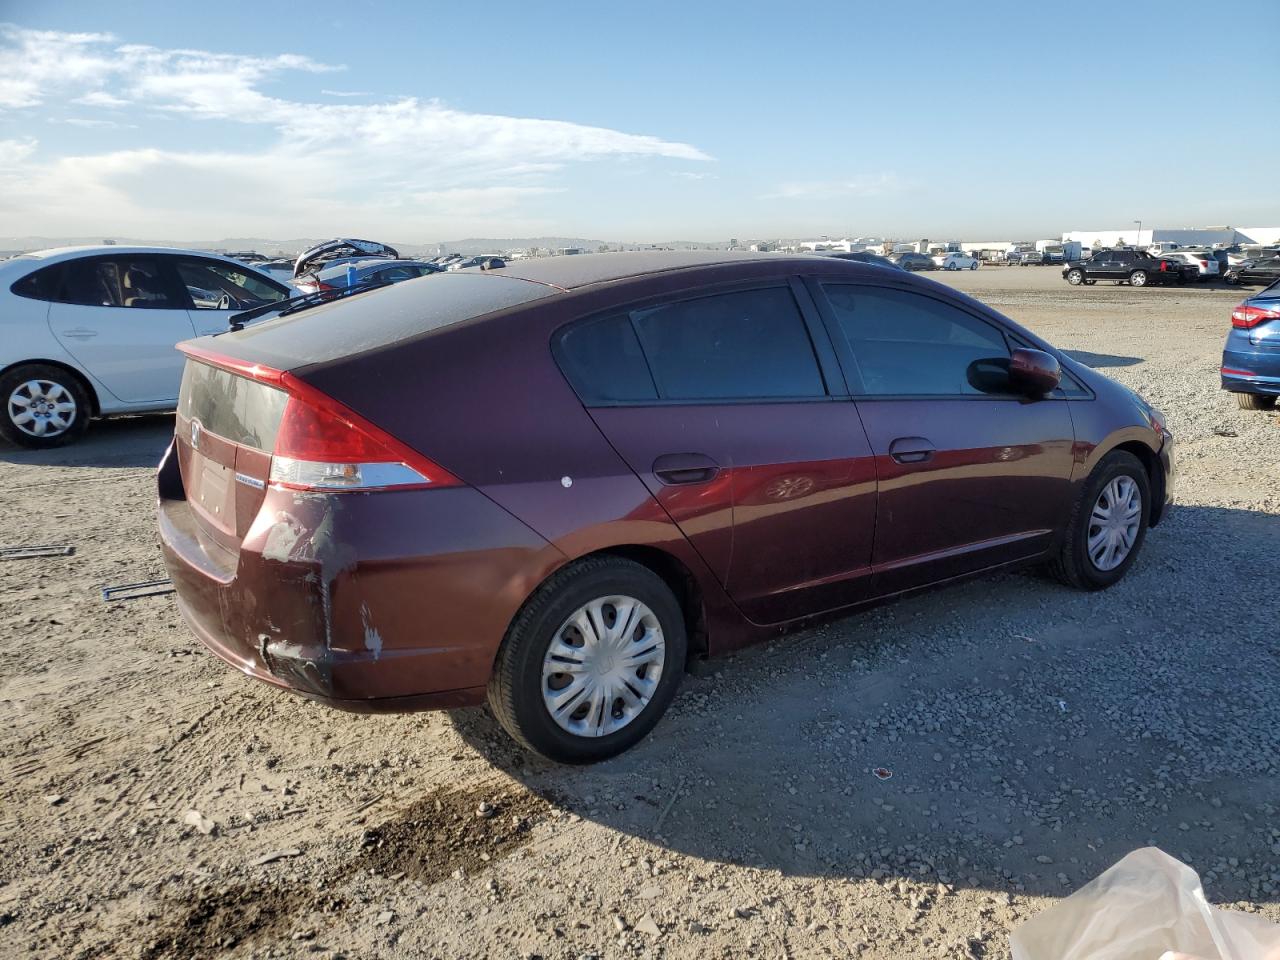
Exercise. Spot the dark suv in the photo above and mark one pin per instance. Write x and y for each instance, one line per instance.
(549, 485)
(1134, 267)
(915, 261)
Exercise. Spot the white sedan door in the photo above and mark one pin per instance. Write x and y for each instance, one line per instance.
(121, 317)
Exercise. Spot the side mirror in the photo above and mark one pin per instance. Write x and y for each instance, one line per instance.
(1034, 372)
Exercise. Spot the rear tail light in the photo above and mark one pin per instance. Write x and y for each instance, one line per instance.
(1247, 317)
(1205, 264)
(1164, 265)
(323, 445)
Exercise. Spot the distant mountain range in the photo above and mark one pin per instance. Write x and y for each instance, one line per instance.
(473, 245)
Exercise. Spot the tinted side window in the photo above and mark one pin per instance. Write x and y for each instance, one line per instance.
(118, 282)
(603, 361)
(906, 344)
(211, 284)
(731, 346)
(41, 285)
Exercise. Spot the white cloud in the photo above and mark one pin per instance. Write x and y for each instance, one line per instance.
(100, 98)
(691, 175)
(861, 185)
(33, 62)
(346, 93)
(409, 166)
(91, 123)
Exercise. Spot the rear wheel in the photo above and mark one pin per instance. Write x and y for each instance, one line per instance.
(1138, 278)
(1107, 526)
(1075, 277)
(1255, 401)
(591, 663)
(44, 406)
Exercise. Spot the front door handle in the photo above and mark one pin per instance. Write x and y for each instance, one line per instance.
(682, 468)
(80, 333)
(911, 450)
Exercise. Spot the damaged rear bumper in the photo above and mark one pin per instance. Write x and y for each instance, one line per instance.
(384, 602)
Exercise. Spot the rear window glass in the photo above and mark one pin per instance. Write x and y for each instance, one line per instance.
(41, 285)
(240, 410)
(733, 346)
(383, 316)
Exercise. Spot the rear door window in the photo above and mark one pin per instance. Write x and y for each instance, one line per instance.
(745, 345)
(734, 346)
(907, 344)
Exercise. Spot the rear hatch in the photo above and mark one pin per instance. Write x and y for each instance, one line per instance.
(225, 432)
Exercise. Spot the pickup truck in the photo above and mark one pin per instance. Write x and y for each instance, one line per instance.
(1134, 267)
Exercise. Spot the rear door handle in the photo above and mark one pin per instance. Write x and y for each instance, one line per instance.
(681, 468)
(911, 450)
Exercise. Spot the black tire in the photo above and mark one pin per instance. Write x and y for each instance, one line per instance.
(1090, 283)
(1231, 278)
(515, 688)
(1075, 277)
(973, 266)
(1138, 278)
(12, 383)
(1255, 401)
(1072, 564)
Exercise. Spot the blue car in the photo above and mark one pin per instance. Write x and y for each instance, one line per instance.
(1251, 357)
(378, 269)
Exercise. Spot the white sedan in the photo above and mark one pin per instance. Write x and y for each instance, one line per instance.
(90, 331)
(956, 261)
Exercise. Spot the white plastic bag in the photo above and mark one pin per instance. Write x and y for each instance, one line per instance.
(1148, 906)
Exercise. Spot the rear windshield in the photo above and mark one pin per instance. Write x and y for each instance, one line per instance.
(1270, 293)
(240, 410)
(378, 318)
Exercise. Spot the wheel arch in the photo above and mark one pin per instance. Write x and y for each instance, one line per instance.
(95, 403)
(669, 568)
(679, 578)
(1155, 474)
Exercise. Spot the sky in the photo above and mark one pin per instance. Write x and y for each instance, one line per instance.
(652, 121)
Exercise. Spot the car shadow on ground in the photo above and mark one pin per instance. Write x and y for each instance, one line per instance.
(119, 442)
(1034, 734)
(1101, 360)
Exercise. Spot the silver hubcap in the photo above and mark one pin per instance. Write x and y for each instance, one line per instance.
(603, 666)
(1114, 523)
(42, 408)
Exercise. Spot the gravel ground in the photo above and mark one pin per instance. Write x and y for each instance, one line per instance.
(154, 803)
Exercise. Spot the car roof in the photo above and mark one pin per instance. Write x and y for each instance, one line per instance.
(579, 270)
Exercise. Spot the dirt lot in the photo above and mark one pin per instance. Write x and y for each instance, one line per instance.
(156, 804)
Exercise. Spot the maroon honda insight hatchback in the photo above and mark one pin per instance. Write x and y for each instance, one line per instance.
(550, 485)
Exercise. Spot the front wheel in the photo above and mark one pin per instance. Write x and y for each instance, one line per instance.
(44, 406)
(1075, 277)
(1138, 278)
(591, 663)
(1107, 525)
(1255, 401)
(1231, 278)
(973, 266)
